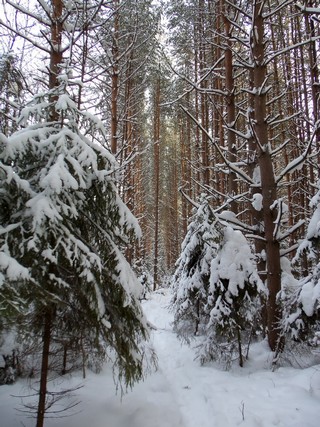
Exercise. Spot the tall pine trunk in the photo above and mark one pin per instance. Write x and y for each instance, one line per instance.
(268, 184)
(231, 107)
(115, 79)
(156, 180)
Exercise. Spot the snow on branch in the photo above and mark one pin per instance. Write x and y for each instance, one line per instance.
(13, 270)
(289, 48)
(230, 165)
(274, 11)
(238, 8)
(192, 202)
(24, 36)
(298, 162)
(229, 217)
(309, 10)
(27, 12)
(291, 230)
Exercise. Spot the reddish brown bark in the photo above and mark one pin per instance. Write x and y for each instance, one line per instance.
(268, 184)
(231, 108)
(156, 137)
(115, 79)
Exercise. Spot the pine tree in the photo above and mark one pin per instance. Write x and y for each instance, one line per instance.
(191, 278)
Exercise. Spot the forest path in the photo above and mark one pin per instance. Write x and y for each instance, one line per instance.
(252, 396)
(181, 393)
(190, 386)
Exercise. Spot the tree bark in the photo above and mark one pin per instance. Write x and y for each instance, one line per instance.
(44, 366)
(231, 108)
(156, 180)
(56, 57)
(268, 184)
(114, 79)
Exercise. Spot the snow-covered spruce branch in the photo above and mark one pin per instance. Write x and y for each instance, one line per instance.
(285, 252)
(276, 98)
(10, 103)
(240, 134)
(228, 217)
(233, 198)
(274, 121)
(230, 165)
(10, 227)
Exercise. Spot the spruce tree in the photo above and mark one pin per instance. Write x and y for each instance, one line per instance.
(233, 303)
(302, 301)
(191, 278)
(63, 232)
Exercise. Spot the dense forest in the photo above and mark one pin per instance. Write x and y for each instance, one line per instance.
(147, 144)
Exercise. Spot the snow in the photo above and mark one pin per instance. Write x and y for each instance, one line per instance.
(235, 263)
(309, 295)
(257, 201)
(181, 393)
(13, 269)
(314, 225)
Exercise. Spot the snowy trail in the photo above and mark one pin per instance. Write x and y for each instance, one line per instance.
(176, 363)
(202, 400)
(181, 393)
(249, 397)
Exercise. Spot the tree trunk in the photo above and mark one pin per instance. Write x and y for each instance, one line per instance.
(56, 58)
(44, 366)
(231, 109)
(156, 180)
(268, 184)
(115, 78)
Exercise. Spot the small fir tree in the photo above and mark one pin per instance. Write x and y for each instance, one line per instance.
(191, 278)
(63, 231)
(302, 314)
(233, 298)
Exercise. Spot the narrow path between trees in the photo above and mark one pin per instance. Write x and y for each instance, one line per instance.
(252, 396)
(181, 393)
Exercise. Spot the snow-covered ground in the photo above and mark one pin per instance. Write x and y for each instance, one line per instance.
(181, 393)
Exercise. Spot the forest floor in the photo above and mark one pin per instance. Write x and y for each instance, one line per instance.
(181, 393)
